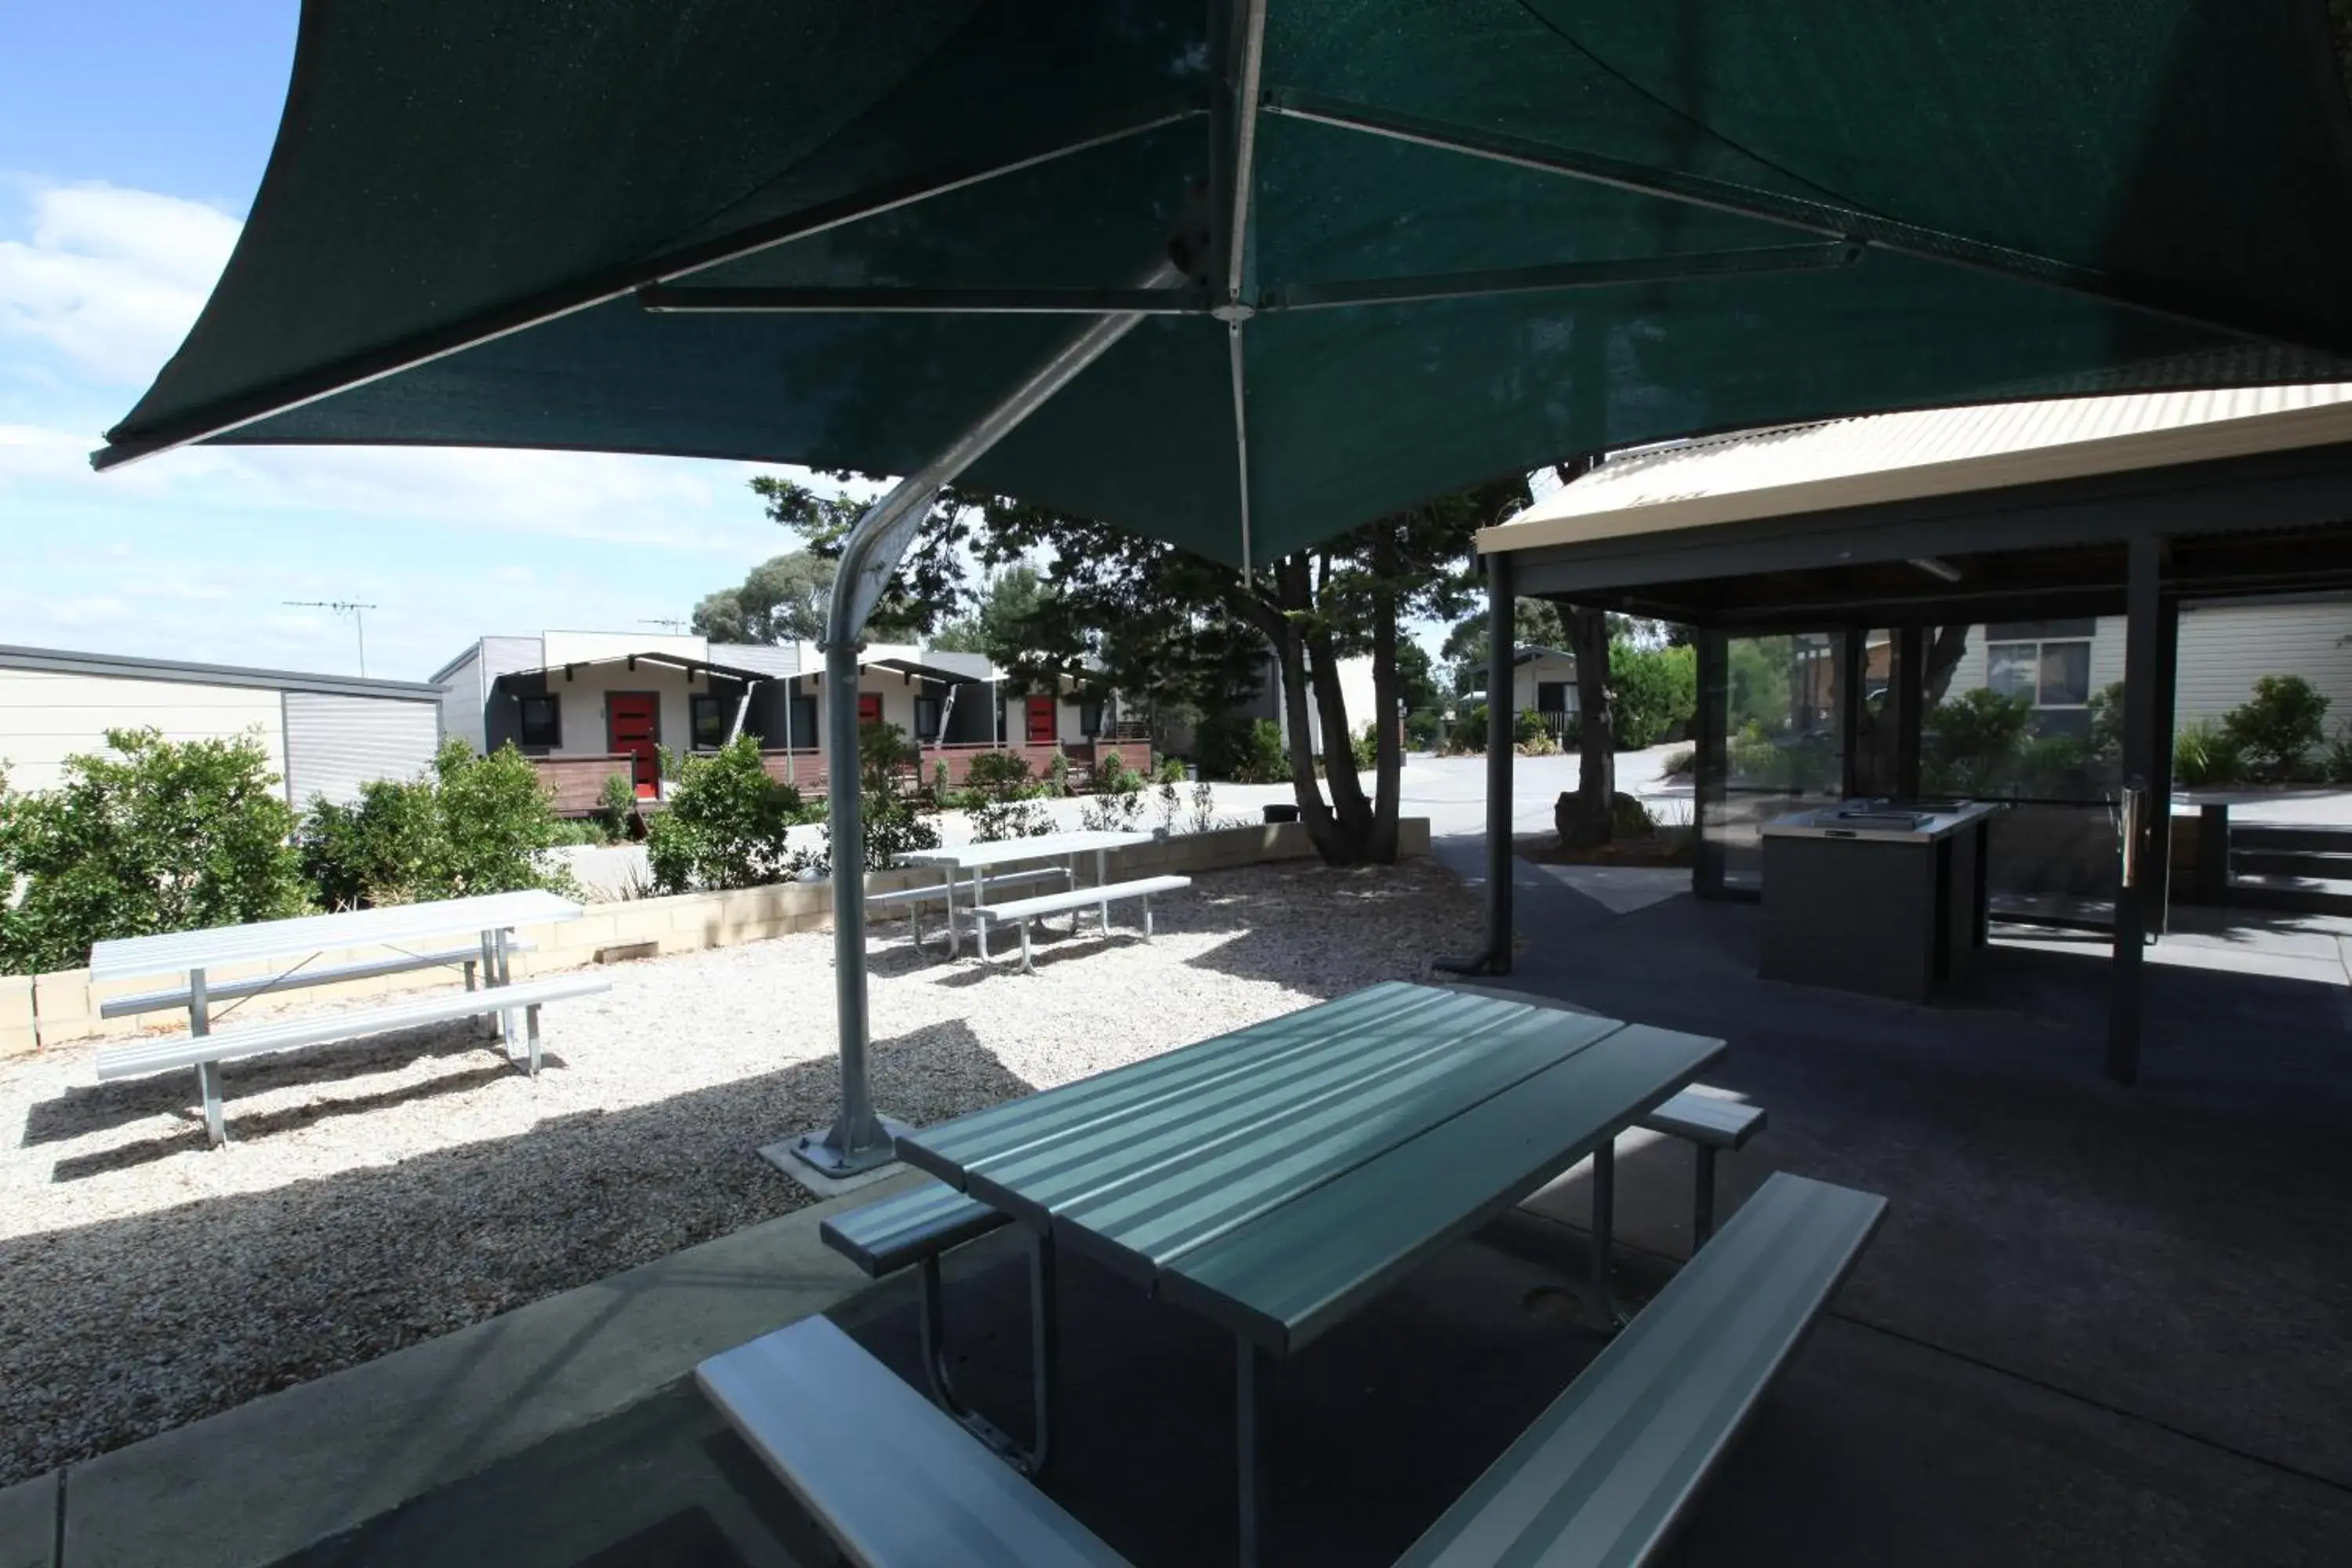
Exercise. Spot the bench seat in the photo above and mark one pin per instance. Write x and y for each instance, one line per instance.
(884, 1238)
(219, 991)
(913, 898)
(896, 1482)
(206, 1052)
(1606, 1472)
(1102, 895)
(1710, 1123)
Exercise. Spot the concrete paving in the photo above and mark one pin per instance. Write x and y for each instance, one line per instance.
(2099, 1325)
(255, 1483)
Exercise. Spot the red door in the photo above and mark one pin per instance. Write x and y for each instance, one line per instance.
(633, 725)
(1041, 720)
(869, 709)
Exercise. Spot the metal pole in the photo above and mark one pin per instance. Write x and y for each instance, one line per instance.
(2143, 598)
(1501, 650)
(858, 1139)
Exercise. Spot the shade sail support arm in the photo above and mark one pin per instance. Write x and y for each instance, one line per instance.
(858, 1139)
(1829, 221)
(667, 299)
(599, 288)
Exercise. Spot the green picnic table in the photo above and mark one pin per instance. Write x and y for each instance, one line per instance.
(1277, 1179)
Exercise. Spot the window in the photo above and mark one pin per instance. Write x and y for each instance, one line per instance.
(1090, 718)
(927, 719)
(2052, 674)
(1551, 697)
(542, 720)
(709, 714)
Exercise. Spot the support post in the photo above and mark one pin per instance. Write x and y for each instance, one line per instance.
(1909, 695)
(1710, 762)
(858, 1140)
(1853, 661)
(2158, 881)
(2143, 598)
(1501, 570)
(1253, 1414)
(1605, 1227)
(200, 1023)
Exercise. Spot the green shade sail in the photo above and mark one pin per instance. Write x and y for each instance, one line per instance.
(1483, 235)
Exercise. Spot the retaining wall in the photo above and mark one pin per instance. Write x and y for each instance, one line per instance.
(42, 1010)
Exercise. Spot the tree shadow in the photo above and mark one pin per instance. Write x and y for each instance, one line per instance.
(207, 1304)
(97, 1106)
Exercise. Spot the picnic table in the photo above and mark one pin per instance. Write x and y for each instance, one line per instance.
(487, 925)
(980, 857)
(1277, 1179)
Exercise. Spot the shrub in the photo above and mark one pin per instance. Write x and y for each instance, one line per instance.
(727, 824)
(1364, 749)
(1976, 740)
(1117, 806)
(1653, 692)
(1057, 776)
(2052, 765)
(617, 807)
(1171, 769)
(1469, 733)
(889, 826)
(2107, 737)
(1014, 817)
(161, 836)
(1680, 762)
(2205, 753)
(998, 775)
(2335, 762)
(1752, 755)
(1245, 751)
(1421, 729)
(2279, 726)
(471, 825)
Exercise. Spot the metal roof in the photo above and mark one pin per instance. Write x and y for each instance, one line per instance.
(1886, 457)
(124, 667)
(674, 661)
(771, 659)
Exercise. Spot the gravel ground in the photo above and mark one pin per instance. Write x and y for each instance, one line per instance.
(382, 1192)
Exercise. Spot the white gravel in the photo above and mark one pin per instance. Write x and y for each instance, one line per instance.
(392, 1189)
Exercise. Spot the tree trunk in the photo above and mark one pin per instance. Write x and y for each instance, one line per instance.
(1273, 623)
(1347, 802)
(1388, 750)
(1596, 776)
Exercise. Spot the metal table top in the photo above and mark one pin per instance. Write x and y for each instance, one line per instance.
(179, 951)
(1893, 821)
(1279, 1177)
(1004, 851)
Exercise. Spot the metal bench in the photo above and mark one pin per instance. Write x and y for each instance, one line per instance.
(178, 998)
(914, 1226)
(913, 898)
(1709, 1123)
(206, 1051)
(893, 1481)
(1021, 911)
(917, 1226)
(1606, 1472)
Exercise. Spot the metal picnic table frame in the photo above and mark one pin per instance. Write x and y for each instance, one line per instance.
(1277, 1179)
(979, 858)
(493, 917)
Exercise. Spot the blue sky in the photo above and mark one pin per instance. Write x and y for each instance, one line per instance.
(133, 136)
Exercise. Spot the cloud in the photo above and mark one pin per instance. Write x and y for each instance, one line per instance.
(110, 278)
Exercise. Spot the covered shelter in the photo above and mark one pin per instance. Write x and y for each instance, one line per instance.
(1835, 574)
(1314, 260)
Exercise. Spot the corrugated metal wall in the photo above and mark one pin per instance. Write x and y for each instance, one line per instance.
(334, 744)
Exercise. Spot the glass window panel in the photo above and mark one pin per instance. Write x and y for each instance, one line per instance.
(2010, 668)
(541, 720)
(709, 716)
(2065, 674)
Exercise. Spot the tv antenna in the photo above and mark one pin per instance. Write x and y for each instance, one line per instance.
(674, 624)
(358, 613)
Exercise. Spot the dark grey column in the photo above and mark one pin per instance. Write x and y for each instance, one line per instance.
(1710, 762)
(1501, 602)
(2144, 604)
(2168, 696)
(1910, 694)
(1853, 660)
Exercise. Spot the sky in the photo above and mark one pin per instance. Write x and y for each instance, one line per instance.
(132, 137)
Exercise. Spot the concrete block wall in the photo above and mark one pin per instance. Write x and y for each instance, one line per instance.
(43, 1010)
